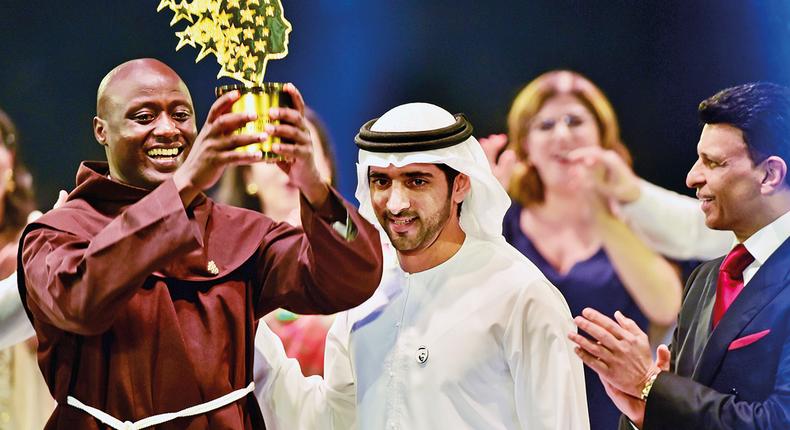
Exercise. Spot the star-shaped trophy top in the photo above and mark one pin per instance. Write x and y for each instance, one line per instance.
(243, 34)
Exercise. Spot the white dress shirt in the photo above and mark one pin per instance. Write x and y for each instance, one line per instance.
(764, 242)
(477, 342)
(674, 225)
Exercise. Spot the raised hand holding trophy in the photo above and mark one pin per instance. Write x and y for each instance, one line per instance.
(244, 35)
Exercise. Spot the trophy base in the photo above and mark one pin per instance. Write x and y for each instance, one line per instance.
(258, 99)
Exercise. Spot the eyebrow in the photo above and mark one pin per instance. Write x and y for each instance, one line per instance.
(136, 104)
(709, 156)
(418, 174)
(377, 175)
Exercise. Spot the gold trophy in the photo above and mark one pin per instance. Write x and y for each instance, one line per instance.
(244, 35)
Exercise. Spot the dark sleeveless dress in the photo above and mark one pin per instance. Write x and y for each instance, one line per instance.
(590, 283)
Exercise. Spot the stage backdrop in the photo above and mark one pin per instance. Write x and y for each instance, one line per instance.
(354, 59)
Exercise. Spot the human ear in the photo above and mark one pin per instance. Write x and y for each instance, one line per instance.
(461, 187)
(774, 173)
(100, 130)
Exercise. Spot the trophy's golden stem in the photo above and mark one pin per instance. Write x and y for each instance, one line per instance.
(259, 99)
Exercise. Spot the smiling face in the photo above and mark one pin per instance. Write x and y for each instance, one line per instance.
(727, 181)
(412, 203)
(145, 121)
(561, 125)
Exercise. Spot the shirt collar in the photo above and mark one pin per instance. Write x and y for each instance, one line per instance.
(765, 241)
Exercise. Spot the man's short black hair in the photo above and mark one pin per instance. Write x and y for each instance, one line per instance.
(450, 174)
(761, 110)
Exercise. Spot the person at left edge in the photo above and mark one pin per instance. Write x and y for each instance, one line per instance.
(144, 292)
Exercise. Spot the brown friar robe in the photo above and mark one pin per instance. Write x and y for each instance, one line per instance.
(143, 307)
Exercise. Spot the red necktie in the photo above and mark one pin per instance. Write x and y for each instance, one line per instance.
(730, 282)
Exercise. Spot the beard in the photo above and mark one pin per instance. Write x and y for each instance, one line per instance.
(423, 232)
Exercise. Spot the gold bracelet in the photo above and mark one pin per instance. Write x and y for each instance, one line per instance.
(648, 386)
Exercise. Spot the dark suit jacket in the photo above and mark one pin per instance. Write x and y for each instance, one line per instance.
(738, 375)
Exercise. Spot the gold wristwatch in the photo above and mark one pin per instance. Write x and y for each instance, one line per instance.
(648, 386)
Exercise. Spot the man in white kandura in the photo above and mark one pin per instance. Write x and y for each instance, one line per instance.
(463, 333)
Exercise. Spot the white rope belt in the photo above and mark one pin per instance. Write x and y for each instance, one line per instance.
(161, 418)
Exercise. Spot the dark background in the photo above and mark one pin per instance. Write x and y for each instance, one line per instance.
(355, 59)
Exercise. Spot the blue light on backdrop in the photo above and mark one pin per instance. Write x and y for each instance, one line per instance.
(355, 59)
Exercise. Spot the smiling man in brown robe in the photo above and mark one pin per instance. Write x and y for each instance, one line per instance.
(144, 292)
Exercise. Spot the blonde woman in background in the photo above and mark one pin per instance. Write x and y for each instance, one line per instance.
(564, 226)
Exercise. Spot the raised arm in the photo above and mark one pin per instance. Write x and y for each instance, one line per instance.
(335, 264)
(649, 279)
(674, 225)
(671, 224)
(338, 265)
(78, 284)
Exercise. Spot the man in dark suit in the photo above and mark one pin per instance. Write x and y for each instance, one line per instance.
(730, 362)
